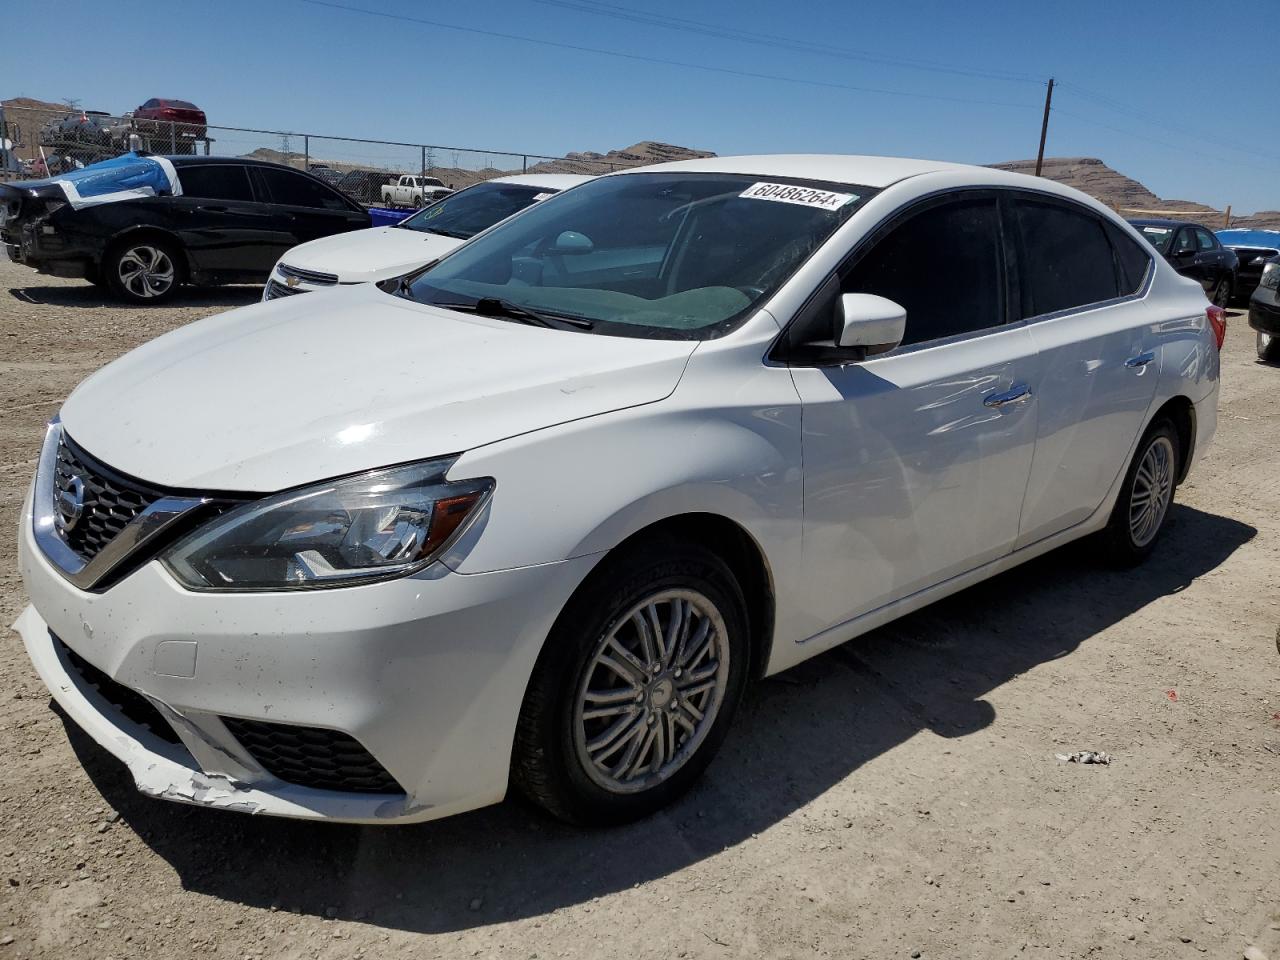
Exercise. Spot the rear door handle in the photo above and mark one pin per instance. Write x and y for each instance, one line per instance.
(1141, 360)
(1018, 393)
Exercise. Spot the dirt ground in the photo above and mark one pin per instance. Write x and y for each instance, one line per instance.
(897, 797)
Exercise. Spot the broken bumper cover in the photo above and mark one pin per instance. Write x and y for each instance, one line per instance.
(426, 673)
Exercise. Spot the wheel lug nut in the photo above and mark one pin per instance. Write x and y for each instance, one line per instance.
(678, 671)
(640, 697)
(651, 719)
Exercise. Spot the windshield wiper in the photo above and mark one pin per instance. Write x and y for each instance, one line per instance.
(447, 233)
(496, 307)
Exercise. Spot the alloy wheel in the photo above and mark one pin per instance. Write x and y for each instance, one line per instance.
(146, 271)
(1152, 491)
(1222, 294)
(651, 691)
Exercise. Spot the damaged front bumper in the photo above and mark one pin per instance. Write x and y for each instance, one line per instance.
(169, 772)
(418, 681)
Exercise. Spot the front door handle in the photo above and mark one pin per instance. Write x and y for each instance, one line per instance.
(1141, 360)
(1018, 393)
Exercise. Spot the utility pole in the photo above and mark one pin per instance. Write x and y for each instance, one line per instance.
(1044, 126)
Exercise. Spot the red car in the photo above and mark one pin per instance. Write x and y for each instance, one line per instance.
(188, 119)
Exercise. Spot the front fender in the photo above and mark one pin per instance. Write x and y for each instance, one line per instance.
(584, 487)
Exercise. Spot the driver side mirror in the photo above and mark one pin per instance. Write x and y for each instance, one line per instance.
(873, 323)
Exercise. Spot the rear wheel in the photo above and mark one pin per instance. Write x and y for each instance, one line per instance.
(636, 687)
(1221, 295)
(1145, 498)
(1268, 347)
(143, 271)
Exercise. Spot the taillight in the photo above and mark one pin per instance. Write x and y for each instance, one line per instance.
(1218, 321)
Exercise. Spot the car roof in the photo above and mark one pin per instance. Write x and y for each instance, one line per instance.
(1157, 222)
(866, 171)
(870, 171)
(548, 181)
(188, 160)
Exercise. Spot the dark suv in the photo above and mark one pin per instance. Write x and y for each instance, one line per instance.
(230, 222)
(1194, 252)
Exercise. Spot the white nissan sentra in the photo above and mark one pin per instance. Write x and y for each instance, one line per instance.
(361, 256)
(536, 514)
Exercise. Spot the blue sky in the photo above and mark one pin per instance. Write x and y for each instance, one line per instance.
(1172, 106)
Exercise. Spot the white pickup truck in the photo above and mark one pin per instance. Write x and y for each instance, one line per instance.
(413, 191)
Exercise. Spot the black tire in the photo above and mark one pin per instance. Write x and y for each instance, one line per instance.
(546, 764)
(1125, 547)
(1221, 295)
(143, 287)
(1268, 347)
(417, 202)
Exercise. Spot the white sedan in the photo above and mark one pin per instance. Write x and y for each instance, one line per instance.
(360, 256)
(536, 515)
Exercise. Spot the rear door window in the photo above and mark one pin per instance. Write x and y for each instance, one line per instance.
(1066, 258)
(295, 190)
(223, 181)
(1133, 259)
(943, 265)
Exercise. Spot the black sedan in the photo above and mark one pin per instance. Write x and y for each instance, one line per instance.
(1264, 312)
(224, 220)
(1194, 252)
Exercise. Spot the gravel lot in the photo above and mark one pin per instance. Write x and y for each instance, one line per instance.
(897, 797)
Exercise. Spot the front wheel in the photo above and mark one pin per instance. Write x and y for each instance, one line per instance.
(1268, 347)
(636, 687)
(417, 202)
(1145, 498)
(143, 271)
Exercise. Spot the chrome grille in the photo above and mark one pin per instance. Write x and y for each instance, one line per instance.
(110, 500)
(308, 276)
(276, 290)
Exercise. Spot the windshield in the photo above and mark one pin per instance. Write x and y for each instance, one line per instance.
(1157, 236)
(673, 255)
(477, 208)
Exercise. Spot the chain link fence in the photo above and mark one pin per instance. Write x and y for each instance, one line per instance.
(48, 142)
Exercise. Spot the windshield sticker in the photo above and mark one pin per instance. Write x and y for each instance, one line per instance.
(804, 196)
(542, 196)
(1158, 231)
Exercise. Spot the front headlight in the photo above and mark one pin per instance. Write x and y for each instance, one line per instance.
(1271, 276)
(373, 526)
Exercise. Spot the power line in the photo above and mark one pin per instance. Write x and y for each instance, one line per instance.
(1179, 147)
(1159, 123)
(662, 61)
(702, 27)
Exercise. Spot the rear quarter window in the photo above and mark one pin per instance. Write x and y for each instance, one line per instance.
(1134, 261)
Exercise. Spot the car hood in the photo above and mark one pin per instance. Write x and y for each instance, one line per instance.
(374, 254)
(305, 388)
